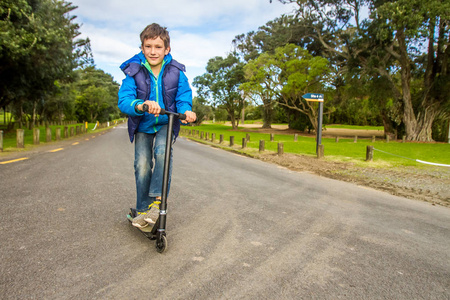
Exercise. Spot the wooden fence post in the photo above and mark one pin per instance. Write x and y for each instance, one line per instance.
(320, 151)
(48, 136)
(71, 131)
(272, 137)
(356, 139)
(19, 138)
(369, 153)
(58, 133)
(295, 137)
(262, 144)
(66, 132)
(247, 137)
(36, 137)
(1, 140)
(337, 139)
(280, 148)
(231, 141)
(221, 139)
(213, 137)
(244, 143)
(373, 139)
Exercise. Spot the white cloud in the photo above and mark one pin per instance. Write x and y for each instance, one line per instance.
(199, 29)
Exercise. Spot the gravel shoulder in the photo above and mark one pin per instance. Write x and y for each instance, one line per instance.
(430, 184)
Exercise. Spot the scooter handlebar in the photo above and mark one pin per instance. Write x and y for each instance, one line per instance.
(165, 112)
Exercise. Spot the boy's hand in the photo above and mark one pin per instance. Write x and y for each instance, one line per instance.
(190, 117)
(153, 107)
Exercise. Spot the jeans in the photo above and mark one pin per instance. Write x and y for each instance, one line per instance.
(149, 154)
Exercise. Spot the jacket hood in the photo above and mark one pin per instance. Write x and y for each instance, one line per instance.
(131, 66)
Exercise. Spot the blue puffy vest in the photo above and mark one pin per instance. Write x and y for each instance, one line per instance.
(170, 80)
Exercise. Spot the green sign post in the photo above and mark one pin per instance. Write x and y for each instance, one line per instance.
(317, 98)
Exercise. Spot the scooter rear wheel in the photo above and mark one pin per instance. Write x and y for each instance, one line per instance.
(161, 244)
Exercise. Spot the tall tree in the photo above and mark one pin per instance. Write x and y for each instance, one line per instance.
(220, 85)
(37, 50)
(416, 36)
(405, 42)
(96, 98)
(288, 74)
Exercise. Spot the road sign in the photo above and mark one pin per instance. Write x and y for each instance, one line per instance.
(313, 97)
(317, 98)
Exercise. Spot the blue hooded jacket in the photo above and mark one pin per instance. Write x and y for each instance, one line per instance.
(171, 90)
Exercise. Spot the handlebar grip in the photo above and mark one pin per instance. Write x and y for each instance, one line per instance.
(164, 112)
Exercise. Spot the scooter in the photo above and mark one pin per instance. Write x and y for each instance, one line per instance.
(158, 231)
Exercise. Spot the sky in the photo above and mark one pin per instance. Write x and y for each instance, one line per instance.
(199, 29)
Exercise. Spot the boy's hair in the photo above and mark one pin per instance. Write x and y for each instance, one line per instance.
(154, 31)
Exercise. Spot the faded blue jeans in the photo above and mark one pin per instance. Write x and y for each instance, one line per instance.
(149, 154)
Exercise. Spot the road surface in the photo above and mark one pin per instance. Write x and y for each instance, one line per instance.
(238, 228)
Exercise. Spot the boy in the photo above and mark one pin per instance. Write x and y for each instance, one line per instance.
(153, 78)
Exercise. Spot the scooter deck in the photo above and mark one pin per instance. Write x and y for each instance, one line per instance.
(147, 231)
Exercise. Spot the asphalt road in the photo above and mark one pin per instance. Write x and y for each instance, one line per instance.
(238, 228)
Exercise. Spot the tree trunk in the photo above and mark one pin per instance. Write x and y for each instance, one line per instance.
(423, 129)
(409, 117)
(33, 118)
(417, 128)
(20, 113)
(233, 121)
(267, 113)
(387, 124)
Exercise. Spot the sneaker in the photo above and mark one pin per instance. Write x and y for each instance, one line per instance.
(139, 221)
(153, 214)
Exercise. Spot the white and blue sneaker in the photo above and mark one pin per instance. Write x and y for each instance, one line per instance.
(139, 220)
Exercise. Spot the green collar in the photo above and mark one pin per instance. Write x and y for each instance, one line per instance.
(149, 68)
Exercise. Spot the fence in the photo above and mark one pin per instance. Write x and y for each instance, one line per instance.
(67, 131)
(204, 136)
(280, 145)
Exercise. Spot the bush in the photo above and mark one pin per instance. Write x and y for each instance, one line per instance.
(440, 130)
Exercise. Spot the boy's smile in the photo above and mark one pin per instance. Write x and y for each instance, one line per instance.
(155, 51)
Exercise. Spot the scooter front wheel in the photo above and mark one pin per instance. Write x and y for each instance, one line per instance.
(161, 244)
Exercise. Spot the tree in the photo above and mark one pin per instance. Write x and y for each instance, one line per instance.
(404, 42)
(424, 72)
(220, 85)
(202, 110)
(262, 84)
(288, 74)
(36, 51)
(96, 98)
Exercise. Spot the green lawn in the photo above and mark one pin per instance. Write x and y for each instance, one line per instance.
(2, 116)
(381, 128)
(344, 150)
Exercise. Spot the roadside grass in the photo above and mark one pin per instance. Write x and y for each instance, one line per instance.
(400, 154)
(10, 142)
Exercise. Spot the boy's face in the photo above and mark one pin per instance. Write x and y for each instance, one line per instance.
(154, 51)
